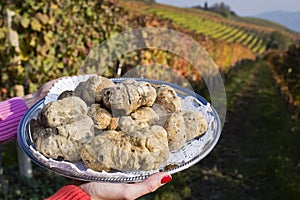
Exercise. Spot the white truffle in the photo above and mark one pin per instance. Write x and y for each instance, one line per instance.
(195, 124)
(91, 90)
(100, 116)
(128, 96)
(64, 111)
(146, 150)
(136, 125)
(144, 116)
(175, 128)
(64, 142)
(167, 98)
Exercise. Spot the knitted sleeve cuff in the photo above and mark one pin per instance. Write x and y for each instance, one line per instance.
(69, 192)
(11, 112)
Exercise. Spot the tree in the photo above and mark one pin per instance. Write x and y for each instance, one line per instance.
(147, 1)
(222, 9)
(278, 41)
(205, 6)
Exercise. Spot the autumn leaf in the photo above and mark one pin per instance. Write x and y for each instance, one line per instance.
(42, 18)
(25, 21)
(35, 25)
(3, 32)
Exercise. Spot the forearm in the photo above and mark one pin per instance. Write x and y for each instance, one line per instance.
(69, 192)
(11, 112)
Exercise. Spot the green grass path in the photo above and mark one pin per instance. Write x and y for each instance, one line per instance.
(257, 156)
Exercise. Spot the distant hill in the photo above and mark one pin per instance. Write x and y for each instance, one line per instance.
(255, 34)
(288, 19)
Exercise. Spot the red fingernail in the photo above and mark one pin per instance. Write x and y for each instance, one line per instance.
(166, 179)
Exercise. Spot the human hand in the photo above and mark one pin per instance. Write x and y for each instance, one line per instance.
(112, 191)
(31, 99)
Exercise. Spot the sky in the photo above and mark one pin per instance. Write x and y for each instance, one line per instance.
(243, 7)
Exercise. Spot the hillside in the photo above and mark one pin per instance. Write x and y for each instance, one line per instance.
(250, 32)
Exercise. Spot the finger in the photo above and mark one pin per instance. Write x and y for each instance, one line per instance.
(44, 89)
(149, 185)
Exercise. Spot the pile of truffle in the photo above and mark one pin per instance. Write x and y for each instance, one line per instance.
(127, 126)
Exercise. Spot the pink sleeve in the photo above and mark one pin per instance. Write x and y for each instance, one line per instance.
(11, 112)
(69, 192)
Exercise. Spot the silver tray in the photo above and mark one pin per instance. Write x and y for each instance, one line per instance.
(190, 154)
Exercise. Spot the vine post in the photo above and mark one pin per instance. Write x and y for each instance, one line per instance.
(25, 167)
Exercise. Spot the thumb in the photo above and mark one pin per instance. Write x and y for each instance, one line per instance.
(149, 185)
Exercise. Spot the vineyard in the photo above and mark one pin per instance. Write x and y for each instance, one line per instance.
(248, 32)
(215, 30)
(286, 71)
(238, 38)
(258, 60)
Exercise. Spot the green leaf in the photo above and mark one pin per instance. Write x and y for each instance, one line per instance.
(42, 18)
(60, 65)
(35, 25)
(3, 32)
(33, 87)
(51, 20)
(75, 8)
(25, 21)
(32, 42)
(48, 36)
(89, 12)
